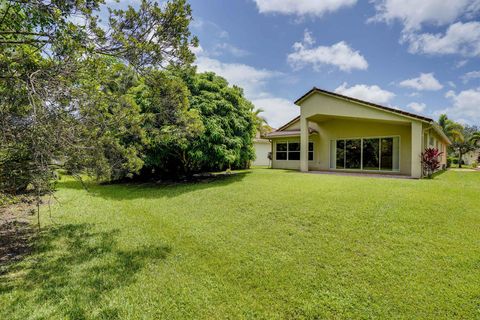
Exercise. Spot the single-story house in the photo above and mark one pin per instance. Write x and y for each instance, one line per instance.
(338, 133)
(262, 148)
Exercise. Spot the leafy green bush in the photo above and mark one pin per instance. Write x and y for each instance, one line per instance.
(195, 123)
(450, 161)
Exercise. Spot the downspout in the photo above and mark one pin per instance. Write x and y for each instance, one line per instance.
(271, 153)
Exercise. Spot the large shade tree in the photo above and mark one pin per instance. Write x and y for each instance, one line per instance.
(219, 132)
(62, 101)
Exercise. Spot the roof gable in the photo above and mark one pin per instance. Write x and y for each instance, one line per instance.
(363, 103)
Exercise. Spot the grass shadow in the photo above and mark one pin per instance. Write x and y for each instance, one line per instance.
(135, 190)
(438, 173)
(15, 240)
(70, 269)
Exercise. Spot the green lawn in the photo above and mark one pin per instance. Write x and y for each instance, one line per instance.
(259, 244)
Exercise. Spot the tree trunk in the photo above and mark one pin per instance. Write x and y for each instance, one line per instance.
(460, 159)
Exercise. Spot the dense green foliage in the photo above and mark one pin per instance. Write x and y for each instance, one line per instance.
(213, 130)
(464, 138)
(267, 244)
(114, 99)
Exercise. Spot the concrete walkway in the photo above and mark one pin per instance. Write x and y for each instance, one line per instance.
(361, 174)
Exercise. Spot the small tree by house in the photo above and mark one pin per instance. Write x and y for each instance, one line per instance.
(430, 161)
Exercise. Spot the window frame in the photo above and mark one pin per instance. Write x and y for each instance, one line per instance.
(361, 157)
(288, 150)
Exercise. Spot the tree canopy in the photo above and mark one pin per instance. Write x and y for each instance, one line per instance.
(114, 99)
(464, 138)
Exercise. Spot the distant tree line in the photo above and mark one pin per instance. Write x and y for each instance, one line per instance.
(114, 99)
(464, 138)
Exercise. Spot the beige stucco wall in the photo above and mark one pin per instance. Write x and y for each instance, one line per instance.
(336, 118)
(344, 129)
(295, 164)
(331, 106)
(342, 119)
(262, 148)
(431, 139)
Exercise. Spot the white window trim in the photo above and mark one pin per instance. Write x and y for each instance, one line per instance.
(288, 149)
(361, 154)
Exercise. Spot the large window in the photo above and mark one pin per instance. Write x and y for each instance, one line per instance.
(281, 153)
(377, 154)
(371, 154)
(291, 150)
(340, 154)
(353, 154)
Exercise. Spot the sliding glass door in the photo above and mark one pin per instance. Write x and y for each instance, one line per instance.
(372, 154)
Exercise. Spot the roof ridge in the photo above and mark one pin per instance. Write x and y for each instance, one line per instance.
(375, 105)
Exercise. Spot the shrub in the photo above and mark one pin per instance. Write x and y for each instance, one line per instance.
(430, 161)
(449, 162)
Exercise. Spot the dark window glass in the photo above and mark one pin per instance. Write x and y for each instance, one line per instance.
(310, 151)
(281, 153)
(371, 152)
(294, 146)
(353, 154)
(340, 154)
(386, 161)
(293, 151)
(281, 147)
(294, 155)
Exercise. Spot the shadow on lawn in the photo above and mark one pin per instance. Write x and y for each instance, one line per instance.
(125, 191)
(70, 270)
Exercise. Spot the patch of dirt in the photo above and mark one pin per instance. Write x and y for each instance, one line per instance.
(16, 231)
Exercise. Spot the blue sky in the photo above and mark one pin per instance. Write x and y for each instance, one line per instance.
(419, 56)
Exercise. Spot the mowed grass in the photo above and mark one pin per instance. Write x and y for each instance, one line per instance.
(262, 244)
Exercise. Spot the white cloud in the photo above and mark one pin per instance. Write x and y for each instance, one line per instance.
(373, 93)
(302, 7)
(227, 47)
(252, 80)
(417, 107)
(197, 50)
(426, 81)
(466, 105)
(209, 27)
(414, 13)
(470, 75)
(461, 63)
(452, 84)
(277, 111)
(339, 55)
(460, 38)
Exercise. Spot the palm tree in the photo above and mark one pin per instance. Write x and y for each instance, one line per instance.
(475, 138)
(453, 130)
(261, 123)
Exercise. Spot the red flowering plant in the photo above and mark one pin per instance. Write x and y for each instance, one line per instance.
(430, 161)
